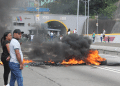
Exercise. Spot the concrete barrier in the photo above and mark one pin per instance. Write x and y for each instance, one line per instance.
(114, 38)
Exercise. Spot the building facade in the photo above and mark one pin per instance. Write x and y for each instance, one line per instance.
(55, 22)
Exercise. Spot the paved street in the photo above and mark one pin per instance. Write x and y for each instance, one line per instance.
(81, 75)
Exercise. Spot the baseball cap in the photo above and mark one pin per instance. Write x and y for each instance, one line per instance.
(18, 31)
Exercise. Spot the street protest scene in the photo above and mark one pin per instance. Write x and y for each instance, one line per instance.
(59, 42)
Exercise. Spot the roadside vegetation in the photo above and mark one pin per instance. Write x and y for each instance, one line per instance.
(104, 8)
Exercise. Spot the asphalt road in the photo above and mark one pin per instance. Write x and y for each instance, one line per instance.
(81, 75)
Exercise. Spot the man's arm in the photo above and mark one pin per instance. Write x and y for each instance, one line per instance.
(19, 58)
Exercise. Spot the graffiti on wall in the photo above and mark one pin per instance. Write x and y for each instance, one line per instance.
(110, 38)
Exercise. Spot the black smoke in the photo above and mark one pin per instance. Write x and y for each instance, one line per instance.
(5, 19)
(78, 46)
(71, 46)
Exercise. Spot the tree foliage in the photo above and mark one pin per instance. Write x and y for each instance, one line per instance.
(104, 7)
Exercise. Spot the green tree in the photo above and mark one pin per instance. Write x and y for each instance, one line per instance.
(104, 7)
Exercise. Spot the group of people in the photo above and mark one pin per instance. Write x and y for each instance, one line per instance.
(69, 31)
(102, 36)
(12, 57)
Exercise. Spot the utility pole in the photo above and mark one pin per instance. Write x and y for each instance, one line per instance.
(88, 19)
(97, 21)
(85, 16)
(39, 17)
(77, 15)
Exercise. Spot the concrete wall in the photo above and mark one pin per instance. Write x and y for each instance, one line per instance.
(108, 25)
(114, 38)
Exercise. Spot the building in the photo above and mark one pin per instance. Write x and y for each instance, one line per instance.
(55, 22)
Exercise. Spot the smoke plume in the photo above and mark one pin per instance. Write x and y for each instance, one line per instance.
(5, 19)
(71, 46)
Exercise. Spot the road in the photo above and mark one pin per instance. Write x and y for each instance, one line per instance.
(80, 75)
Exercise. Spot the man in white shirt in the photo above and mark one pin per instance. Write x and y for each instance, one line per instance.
(69, 31)
(32, 36)
(51, 36)
(16, 59)
(75, 31)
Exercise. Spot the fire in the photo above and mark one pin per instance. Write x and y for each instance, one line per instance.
(1, 63)
(94, 58)
(73, 61)
(27, 61)
(51, 62)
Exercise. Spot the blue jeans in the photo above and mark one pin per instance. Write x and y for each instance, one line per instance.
(51, 38)
(101, 39)
(16, 74)
(93, 39)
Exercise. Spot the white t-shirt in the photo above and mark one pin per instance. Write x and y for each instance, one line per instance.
(51, 34)
(69, 32)
(75, 31)
(32, 36)
(61, 38)
(101, 35)
(103, 32)
(14, 44)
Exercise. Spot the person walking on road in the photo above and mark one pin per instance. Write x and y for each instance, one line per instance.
(51, 36)
(32, 36)
(104, 35)
(5, 57)
(75, 31)
(16, 59)
(108, 39)
(68, 32)
(101, 36)
(93, 35)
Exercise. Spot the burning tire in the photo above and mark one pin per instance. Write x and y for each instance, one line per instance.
(104, 62)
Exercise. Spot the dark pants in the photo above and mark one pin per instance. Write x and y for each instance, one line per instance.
(6, 71)
(93, 39)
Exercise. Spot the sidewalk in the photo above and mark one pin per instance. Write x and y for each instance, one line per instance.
(31, 77)
(107, 44)
(107, 47)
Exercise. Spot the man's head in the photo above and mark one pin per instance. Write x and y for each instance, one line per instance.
(17, 33)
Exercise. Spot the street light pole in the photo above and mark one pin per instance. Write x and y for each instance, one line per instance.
(97, 21)
(88, 19)
(85, 17)
(97, 24)
(39, 17)
(77, 15)
(85, 14)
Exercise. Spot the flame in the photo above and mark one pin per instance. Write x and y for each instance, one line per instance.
(1, 63)
(27, 61)
(51, 62)
(73, 61)
(94, 58)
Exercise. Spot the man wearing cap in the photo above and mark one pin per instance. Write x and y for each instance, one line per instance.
(16, 59)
